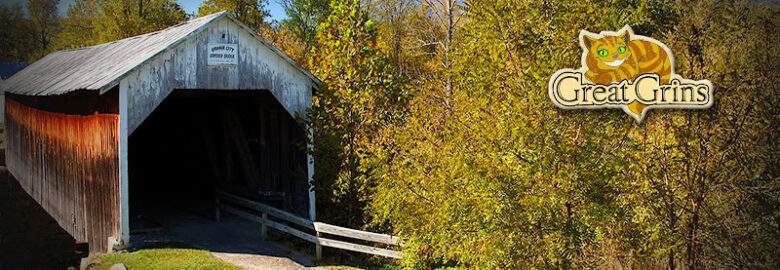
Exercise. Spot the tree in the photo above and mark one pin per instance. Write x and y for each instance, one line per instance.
(419, 36)
(249, 12)
(500, 178)
(93, 22)
(722, 161)
(15, 39)
(400, 24)
(43, 13)
(360, 95)
(503, 179)
(287, 42)
(446, 14)
(303, 18)
(79, 28)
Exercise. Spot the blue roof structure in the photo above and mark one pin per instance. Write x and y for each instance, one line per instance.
(8, 69)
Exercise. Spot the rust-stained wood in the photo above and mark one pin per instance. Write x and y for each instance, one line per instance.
(68, 164)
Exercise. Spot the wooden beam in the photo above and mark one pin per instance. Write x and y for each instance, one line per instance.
(124, 173)
(263, 230)
(293, 231)
(267, 209)
(356, 234)
(241, 145)
(317, 226)
(310, 173)
(210, 145)
(270, 223)
(216, 212)
(360, 248)
(318, 248)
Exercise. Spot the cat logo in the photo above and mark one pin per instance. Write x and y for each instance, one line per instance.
(627, 71)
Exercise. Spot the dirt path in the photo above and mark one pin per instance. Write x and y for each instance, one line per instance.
(258, 262)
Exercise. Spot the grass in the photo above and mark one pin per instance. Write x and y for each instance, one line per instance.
(375, 267)
(165, 258)
(191, 259)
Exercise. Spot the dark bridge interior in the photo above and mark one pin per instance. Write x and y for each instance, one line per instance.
(198, 141)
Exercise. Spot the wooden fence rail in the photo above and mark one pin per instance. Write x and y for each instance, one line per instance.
(225, 202)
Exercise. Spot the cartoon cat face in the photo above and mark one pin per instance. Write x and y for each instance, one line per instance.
(610, 51)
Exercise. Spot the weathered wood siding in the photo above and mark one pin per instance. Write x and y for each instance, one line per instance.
(185, 67)
(69, 164)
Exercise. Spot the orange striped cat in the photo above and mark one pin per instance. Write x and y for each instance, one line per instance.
(617, 58)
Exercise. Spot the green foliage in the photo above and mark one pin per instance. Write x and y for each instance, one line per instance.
(503, 179)
(92, 22)
(249, 12)
(360, 95)
(27, 38)
(43, 14)
(17, 44)
(303, 18)
(442, 131)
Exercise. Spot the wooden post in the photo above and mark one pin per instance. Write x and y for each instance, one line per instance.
(216, 214)
(318, 248)
(263, 227)
(124, 174)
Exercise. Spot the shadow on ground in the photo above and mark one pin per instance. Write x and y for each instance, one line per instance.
(232, 239)
(29, 237)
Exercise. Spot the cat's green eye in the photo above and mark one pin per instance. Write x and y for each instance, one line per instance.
(622, 49)
(603, 52)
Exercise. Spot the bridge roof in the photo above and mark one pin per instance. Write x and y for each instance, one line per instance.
(101, 67)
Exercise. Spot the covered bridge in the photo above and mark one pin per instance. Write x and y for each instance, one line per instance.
(99, 134)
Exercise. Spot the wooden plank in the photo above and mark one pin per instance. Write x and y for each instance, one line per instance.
(318, 249)
(270, 223)
(317, 226)
(240, 213)
(317, 240)
(360, 248)
(264, 157)
(356, 234)
(209, 144)
(232, 124)
(293, 231)
(268, 209)
(263, 229)
(216, 211)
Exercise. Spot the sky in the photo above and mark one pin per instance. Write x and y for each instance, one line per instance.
(190, 6)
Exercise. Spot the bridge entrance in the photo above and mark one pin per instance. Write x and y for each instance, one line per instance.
(200, 141)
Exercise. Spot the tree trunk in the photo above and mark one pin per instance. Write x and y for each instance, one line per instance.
(448, 43)
(44, 40)
(691, 245)
(140, 8)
